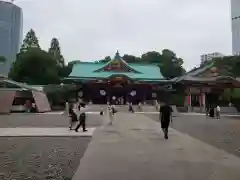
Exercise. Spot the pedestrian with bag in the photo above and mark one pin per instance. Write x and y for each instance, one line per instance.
(73, 116)
(82, 117)
(165, 118)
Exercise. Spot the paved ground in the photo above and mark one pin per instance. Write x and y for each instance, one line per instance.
(223, 134)
(44, 132)
(58, 157)
(134, 148)
(44, 120)
(41, 158)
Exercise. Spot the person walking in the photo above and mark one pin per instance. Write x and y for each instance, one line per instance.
(66, 110)
(112, 110)
(165, 117)
(207, 111)
(218, 112)
(130, 108)
(73, 116)
(140, 106)
(211, 112)
(82, 117)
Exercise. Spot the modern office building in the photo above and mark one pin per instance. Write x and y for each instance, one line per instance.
(209, 57)
(235, 12)
(11, 22)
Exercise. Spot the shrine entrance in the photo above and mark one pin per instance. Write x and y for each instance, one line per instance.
(118, 94)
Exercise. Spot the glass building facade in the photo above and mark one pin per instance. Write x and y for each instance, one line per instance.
(235, 12)
(11, 26)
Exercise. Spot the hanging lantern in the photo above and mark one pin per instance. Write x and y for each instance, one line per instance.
(80, 94)
(133, 93)
(103, 93)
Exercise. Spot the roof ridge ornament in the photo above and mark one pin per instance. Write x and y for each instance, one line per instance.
(117, 56)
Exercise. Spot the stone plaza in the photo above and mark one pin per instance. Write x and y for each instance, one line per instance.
(132, 148)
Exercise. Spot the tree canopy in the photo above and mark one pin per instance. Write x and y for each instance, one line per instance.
(55, 51)
(35, 66)
(169, 64)
(30, 41)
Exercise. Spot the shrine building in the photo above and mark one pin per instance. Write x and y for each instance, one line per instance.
(117, 80)
(204, 86)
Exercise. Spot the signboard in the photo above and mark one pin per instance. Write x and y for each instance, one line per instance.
(41, 101)
(6, 99)
(154, 95)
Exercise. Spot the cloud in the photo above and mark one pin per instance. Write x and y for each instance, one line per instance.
(90, 30)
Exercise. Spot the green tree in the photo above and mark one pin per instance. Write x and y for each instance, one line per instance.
(105, 60)
(131, 59)
(169, 64)
(168, 54)
(35, 66)
(55, 51)
(30, 41)
(152, 57)
(2, 60)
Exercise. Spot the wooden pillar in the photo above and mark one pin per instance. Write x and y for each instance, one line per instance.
(201, 100)
(189, 100)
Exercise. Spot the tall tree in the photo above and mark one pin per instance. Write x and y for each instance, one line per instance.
(55, 51)
(170, 65)
(168, 54)
(30, 41)
(35, 66)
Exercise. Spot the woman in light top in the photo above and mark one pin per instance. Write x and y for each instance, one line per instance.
(112, 111)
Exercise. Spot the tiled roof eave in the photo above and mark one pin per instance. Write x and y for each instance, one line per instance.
(135, 79)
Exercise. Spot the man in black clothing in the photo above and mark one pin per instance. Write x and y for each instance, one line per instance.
(165, 117)
(73, 116)
(82, 117)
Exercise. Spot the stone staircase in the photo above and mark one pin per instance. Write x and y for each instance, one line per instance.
(124, 108)
(224, 110)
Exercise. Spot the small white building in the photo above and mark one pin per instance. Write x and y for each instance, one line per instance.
(210, 56)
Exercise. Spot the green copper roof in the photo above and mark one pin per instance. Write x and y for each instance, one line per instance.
(92, 70)
(87, 70)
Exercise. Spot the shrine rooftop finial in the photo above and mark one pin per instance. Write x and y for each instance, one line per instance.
(117, 56)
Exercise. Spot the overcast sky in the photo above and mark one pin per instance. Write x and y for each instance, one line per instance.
(89, 30)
